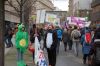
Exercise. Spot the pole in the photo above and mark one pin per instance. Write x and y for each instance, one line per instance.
(2, 32)
(21, 11)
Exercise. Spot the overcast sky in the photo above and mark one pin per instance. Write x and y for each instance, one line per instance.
(61, 4)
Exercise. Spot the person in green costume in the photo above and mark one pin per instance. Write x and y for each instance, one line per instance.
(21, 44)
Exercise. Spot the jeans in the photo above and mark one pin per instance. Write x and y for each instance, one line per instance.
(76, 47)
(85, 57)
(20, 55)
(70, 44)
(65, 45)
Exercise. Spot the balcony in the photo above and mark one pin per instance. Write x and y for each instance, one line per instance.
(95, 3)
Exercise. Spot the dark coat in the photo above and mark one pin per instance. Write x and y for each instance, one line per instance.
(55, 40)
(65, 36)
(97, 33)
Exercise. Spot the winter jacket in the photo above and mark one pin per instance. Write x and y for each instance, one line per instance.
(59, 33)
(85, 47)
(55, 40)
(97, 33)
(65, 36)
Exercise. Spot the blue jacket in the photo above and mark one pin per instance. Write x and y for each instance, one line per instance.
(59, 33)
(85, 47)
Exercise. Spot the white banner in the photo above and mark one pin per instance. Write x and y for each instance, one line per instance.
(40, 16)
(39, 54)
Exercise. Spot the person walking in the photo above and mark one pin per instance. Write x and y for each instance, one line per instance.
(33, 33)
(8, 38)
(75, 35)
(50, 43)
(59, 34)
(70, 43)
(86, 41)
(65, 39)
(14, 35)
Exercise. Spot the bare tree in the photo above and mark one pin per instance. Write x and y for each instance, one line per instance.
(21, 7)
(1, 32)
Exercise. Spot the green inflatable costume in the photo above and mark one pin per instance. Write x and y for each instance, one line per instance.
(21, 44)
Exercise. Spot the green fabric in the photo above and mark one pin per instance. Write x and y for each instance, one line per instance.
(21, 39)
(21, 63)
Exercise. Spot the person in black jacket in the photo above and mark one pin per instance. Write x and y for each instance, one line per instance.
(97, 33)
(52, 50)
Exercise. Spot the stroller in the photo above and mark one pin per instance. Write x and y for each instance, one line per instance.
(96, 54)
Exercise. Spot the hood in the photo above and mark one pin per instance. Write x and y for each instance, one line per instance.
(50, 31)
(20, 27)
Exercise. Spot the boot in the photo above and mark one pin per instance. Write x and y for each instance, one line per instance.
(84, 61)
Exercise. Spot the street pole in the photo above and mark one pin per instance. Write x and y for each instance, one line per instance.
(2, 32)
(21, 11)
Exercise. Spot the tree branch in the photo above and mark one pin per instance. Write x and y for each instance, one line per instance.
(15, 8)
(33, 2)
(18, 2)
(24, 2)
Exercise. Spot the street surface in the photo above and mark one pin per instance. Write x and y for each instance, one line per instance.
(63, 59)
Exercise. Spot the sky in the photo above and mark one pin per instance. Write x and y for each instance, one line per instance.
(61, 4)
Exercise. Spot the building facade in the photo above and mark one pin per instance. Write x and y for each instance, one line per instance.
(44, 4)
(70, 12)
(80, 8)
(96, 11)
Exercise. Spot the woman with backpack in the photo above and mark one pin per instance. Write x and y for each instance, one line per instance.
(75, 35)
(86, 46)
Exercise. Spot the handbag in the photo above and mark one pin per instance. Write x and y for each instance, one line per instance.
(30, 48)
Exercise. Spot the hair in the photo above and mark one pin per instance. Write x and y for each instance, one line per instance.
(75, 27)
(34, 25)
(55, 36)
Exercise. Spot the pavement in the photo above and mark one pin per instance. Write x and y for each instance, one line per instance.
(63, 59)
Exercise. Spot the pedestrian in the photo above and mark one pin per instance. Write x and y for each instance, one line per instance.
(21, 44)
(59, 34)
(70, 43)
(14, 35)
(42, 32)
(96, 48)
(75, 35)
(33, 33)
(8, 39)
(65, 38)
(97, 33)
(50, 44)
(86, 41)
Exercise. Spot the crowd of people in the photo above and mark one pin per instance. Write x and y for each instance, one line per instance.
(71, 38)
(53, 36)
